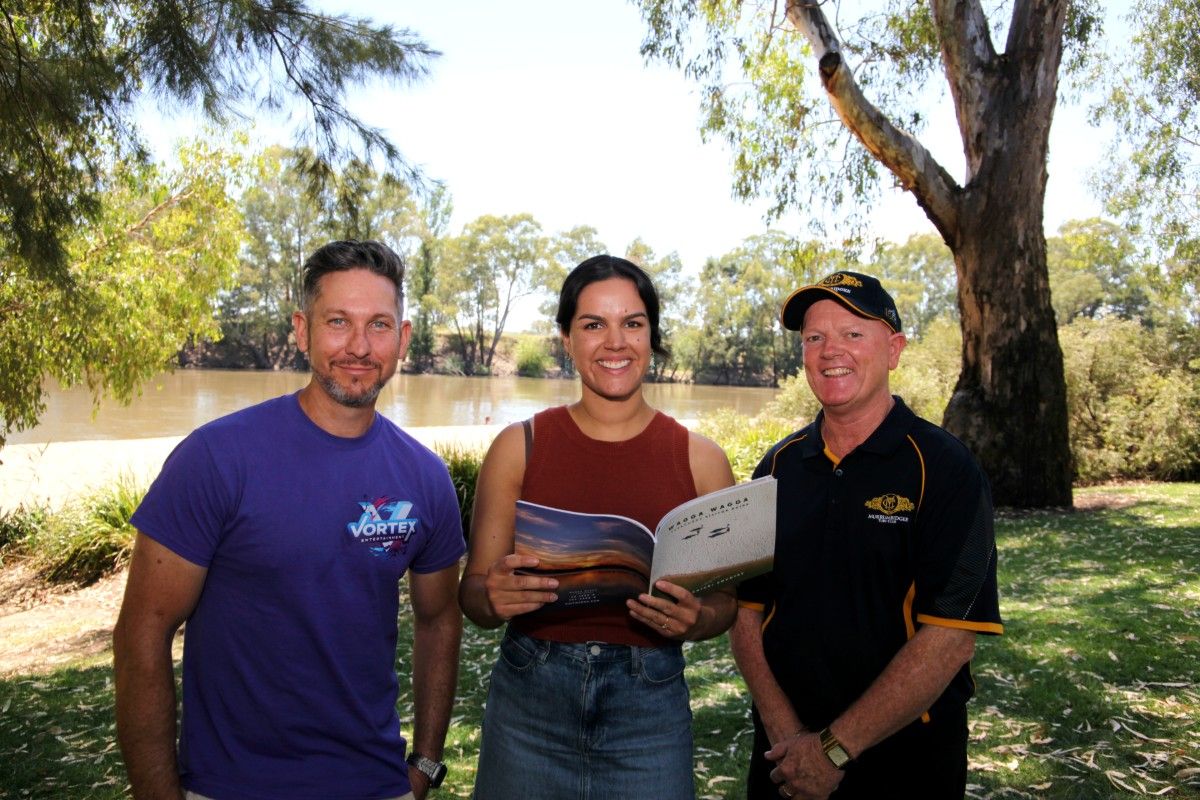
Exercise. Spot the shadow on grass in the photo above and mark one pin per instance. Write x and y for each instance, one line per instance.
(1091, 691)
(58, 736)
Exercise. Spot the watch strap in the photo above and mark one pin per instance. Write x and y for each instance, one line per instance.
(434, 770)
(834, 750)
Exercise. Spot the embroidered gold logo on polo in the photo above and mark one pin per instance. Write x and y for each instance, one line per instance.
(841, 279)
(890, 504)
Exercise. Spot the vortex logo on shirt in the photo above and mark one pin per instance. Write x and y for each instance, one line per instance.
(384, 526)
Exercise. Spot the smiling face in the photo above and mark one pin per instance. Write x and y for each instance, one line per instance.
(353, 336)
(609, 339)
(847, 359)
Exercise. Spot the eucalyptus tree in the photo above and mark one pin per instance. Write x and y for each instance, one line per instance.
(482, 273)
(810, 152)
(675, 296)
(71, 75)
(567, 250)
(432, 219)
(1153, 96)
(735, 335)
(286, 220)
(738, 302)
(1097, 271)
(138, 283)
(919, 273)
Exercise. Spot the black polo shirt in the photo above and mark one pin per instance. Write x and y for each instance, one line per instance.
(896, 535)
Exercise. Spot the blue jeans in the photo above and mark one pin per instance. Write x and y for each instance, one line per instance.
(588, 721)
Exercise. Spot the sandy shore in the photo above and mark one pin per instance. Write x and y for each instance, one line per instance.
(52, 473)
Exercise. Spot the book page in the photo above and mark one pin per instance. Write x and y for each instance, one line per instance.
(718, 539)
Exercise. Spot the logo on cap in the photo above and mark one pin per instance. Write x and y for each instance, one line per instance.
(841, 279)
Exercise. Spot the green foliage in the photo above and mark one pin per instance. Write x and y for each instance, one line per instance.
(1152, 182)
(919, 274)
(71, 73)
(463, 464)
(1095, 270)
(430, 222)
(532, 358)
(929, 368)
(481, 273)
(286, 219)
(18, 526)
(745, 440)
(90, 538)
(1132, 402)
(140, 281)
(737, 337)
(762, 93)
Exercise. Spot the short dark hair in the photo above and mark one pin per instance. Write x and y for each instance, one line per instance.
(600, 268)
(347, 254)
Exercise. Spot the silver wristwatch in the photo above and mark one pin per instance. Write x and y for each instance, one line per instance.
(434, 770)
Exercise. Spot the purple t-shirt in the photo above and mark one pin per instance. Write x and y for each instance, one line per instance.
(289, 687)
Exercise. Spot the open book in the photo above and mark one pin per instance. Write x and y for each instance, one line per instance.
(718, 539)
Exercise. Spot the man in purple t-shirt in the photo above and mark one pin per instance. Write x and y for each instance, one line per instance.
(280, 533)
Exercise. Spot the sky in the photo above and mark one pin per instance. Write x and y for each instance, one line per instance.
(547, 107)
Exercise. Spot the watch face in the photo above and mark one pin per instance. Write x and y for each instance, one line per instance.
(434, 770)
(833, 749)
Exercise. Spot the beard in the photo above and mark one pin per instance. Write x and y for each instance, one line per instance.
(364, 397)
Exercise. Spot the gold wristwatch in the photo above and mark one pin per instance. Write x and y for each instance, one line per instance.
(834, 750)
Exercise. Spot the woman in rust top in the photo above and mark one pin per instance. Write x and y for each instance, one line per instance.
(591, 702)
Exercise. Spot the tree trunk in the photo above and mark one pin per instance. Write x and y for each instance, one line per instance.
(1009, 405)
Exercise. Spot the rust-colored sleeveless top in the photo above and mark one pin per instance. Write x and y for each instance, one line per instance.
(642, 478)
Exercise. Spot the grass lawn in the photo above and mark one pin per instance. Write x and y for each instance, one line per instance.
(1093, 691)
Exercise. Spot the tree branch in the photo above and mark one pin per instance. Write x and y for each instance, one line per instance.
(913, 165)
(969, 58)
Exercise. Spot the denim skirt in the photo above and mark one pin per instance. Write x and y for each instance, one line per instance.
(585, 721)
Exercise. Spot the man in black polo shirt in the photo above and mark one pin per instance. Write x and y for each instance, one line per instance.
(857, 646)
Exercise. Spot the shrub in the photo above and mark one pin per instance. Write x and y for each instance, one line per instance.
(84, 541)
(929, 368)
(463, 464)
(795, 403)
(532, 358)
(18, 526)
(744, 439)
(1132, 402)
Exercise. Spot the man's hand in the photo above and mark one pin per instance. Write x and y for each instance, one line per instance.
(802, 769)
(419, 781)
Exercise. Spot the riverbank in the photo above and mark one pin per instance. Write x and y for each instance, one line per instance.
(51, 473)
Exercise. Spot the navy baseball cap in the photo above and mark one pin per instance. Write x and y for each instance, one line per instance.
(861, 294)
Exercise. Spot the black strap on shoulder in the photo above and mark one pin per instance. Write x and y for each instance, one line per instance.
(527, 424)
